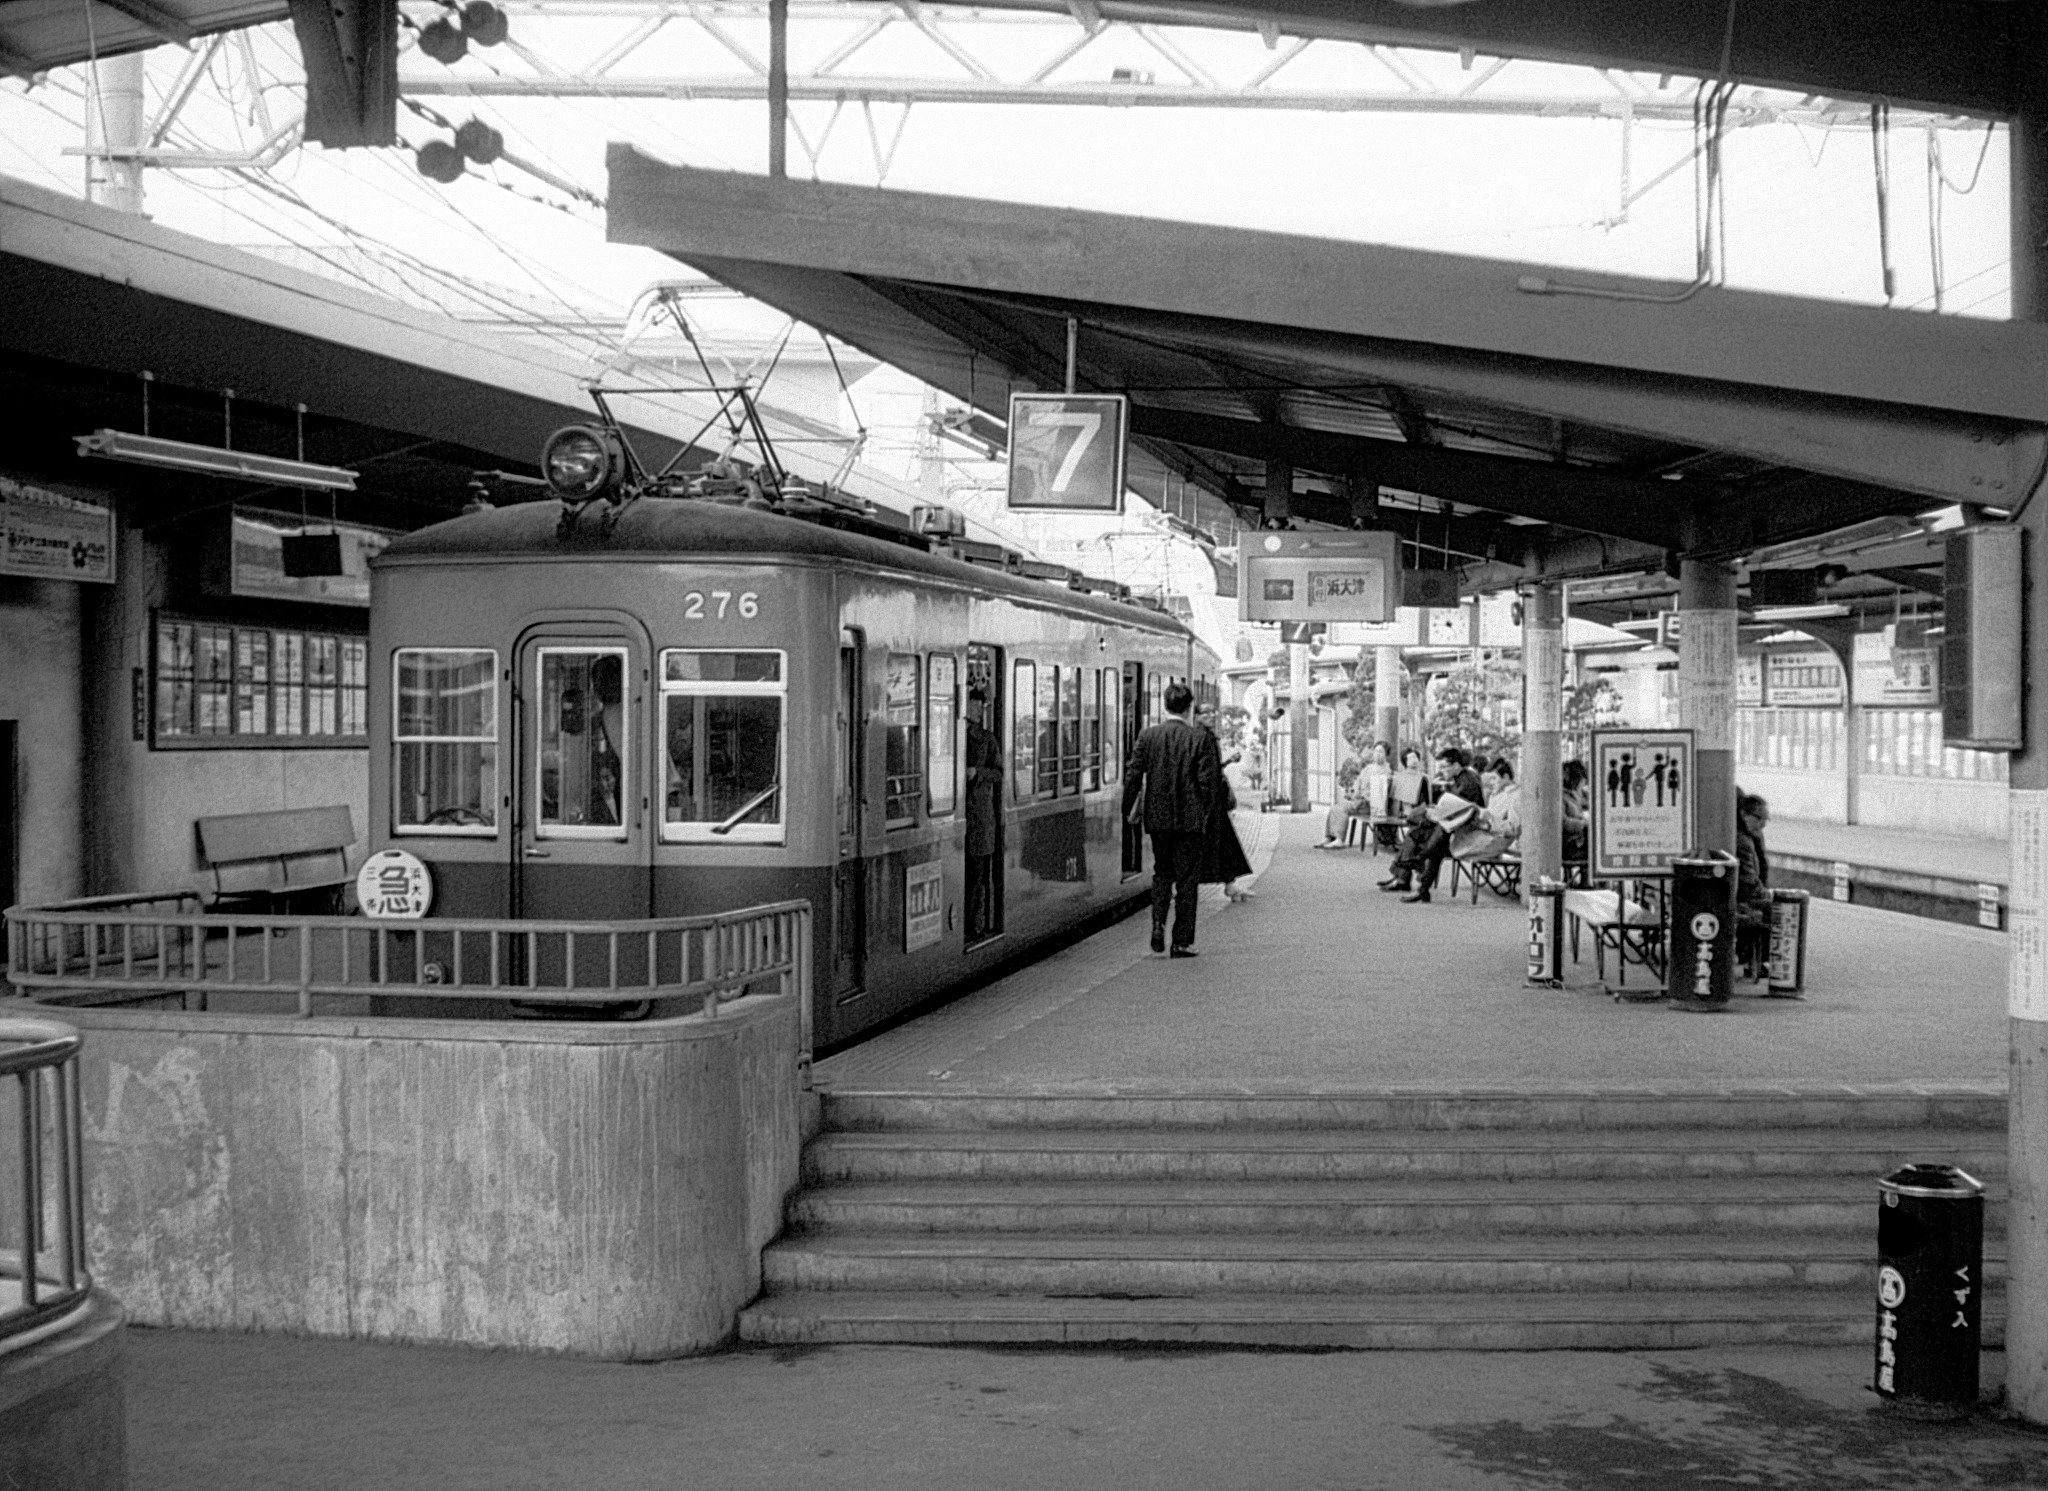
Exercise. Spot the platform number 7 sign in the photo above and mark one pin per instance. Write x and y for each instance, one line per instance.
(1067, 452)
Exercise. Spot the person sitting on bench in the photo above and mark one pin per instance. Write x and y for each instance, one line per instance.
(1430, 828)
(1495, 829)
(1752, 883)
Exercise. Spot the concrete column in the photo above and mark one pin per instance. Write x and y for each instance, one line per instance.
(1386, 700)
(115, 120)
(1706, 695)
(1301, 719)
(2026, 1299)
(778, 87)
(1542, 764)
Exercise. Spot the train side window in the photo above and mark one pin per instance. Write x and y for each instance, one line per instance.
(1091, 729)
(444, 741)
(942, 749)
(1071, 734)
(1024, 730)
(902, 769)
(722, 729)
(1047, 782)
(1112, 717)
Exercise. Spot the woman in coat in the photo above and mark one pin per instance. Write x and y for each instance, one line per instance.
(1223, 857)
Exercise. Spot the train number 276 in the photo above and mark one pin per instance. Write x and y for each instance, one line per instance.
(747, 603)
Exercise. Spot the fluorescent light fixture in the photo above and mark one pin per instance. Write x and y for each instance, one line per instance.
(212, 460)
(1799, 613)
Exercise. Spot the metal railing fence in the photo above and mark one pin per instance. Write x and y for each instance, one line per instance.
(42, 1204)
(156, 944)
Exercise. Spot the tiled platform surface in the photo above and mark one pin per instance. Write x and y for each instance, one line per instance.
(1324, 983)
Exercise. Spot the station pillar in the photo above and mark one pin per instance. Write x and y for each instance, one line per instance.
(1706, 696)
(1386, 700)
(2026, 1229)
(1301, 711)
(1542, 765)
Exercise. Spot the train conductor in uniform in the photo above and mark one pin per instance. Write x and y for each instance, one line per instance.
(1172, 782)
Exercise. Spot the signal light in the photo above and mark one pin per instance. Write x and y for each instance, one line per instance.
(479, 141)
(581, 462)
(443, 41)
(439, 161)
(484, 23)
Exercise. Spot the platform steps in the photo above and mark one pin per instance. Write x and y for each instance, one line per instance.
(1481, 1221)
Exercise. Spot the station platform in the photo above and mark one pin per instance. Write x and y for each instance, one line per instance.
(1322, 980)
(1943, 876)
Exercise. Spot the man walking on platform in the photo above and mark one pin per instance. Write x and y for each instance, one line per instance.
(1172, 783)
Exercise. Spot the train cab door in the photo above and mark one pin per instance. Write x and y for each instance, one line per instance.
(1133, 721)
(849, 877)
(582, 850)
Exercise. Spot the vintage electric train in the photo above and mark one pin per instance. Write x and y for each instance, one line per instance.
(679, 706)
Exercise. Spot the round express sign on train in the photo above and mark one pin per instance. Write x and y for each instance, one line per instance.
(394, 885)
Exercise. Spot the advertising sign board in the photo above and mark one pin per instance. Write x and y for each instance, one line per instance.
(924, 905)
(1319, 576)
(1903, 677)
(1810, 677)
(1067, 452)
(1642, 802)
(49, 536)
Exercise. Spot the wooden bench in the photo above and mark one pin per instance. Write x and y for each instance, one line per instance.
(1619, 919)
(292, 858)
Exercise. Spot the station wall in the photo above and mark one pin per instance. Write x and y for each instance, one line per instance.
(41, 691)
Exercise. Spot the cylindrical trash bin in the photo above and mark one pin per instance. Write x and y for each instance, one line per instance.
(1930, 1289)
(1546, 933)
(1700, 967)
(1785, 955)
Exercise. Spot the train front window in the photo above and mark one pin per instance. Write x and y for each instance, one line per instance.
(444, 741)
(584, 741)
(722, 730)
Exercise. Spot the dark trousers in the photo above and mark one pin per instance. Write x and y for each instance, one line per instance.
(1176, 881)
(1423, 857)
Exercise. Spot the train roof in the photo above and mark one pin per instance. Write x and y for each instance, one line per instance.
(658, 528)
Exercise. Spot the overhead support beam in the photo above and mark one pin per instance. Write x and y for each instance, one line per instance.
(1787, 510)
(159, 21)
(350, 48)
(1648, 512)
(16, 65)
(1914, 579)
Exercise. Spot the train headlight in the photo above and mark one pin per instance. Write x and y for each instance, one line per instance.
(580, 462)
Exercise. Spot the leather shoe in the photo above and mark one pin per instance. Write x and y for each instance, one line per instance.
(1182, 952)
(1158, 939)
(1397, 883)
(1413, 896)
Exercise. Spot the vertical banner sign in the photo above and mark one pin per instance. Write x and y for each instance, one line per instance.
(1067, 452)
(924, 906)
(1543, 680)
(1706, 678)
(1642, 801)
(2026, 959)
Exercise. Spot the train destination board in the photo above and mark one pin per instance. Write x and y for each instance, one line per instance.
(1067, 452)
(1320, 577)
(1642, 802)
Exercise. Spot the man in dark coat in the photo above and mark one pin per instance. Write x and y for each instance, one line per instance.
(1177, 770)
(1428, 836)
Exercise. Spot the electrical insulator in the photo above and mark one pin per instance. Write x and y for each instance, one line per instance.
(484, 23)
(439, 161)
(479, 141)
(443, 41)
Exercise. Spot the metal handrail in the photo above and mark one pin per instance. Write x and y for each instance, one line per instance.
(47, 1265)
(120, 944)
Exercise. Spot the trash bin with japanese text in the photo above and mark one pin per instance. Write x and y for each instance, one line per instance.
(1930, 1289)
(1700, 974)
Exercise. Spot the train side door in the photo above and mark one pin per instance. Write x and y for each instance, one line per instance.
(849, 879)
(581, 849)
(986, 774)
(1132, 723)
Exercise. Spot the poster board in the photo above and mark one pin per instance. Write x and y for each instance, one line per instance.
(1642, 812)
(1896, 677)
(49, 536)
(1805, 678)
(1067, 452)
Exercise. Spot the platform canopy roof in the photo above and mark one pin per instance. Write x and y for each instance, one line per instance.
(1955, 55)
(1506, 428)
